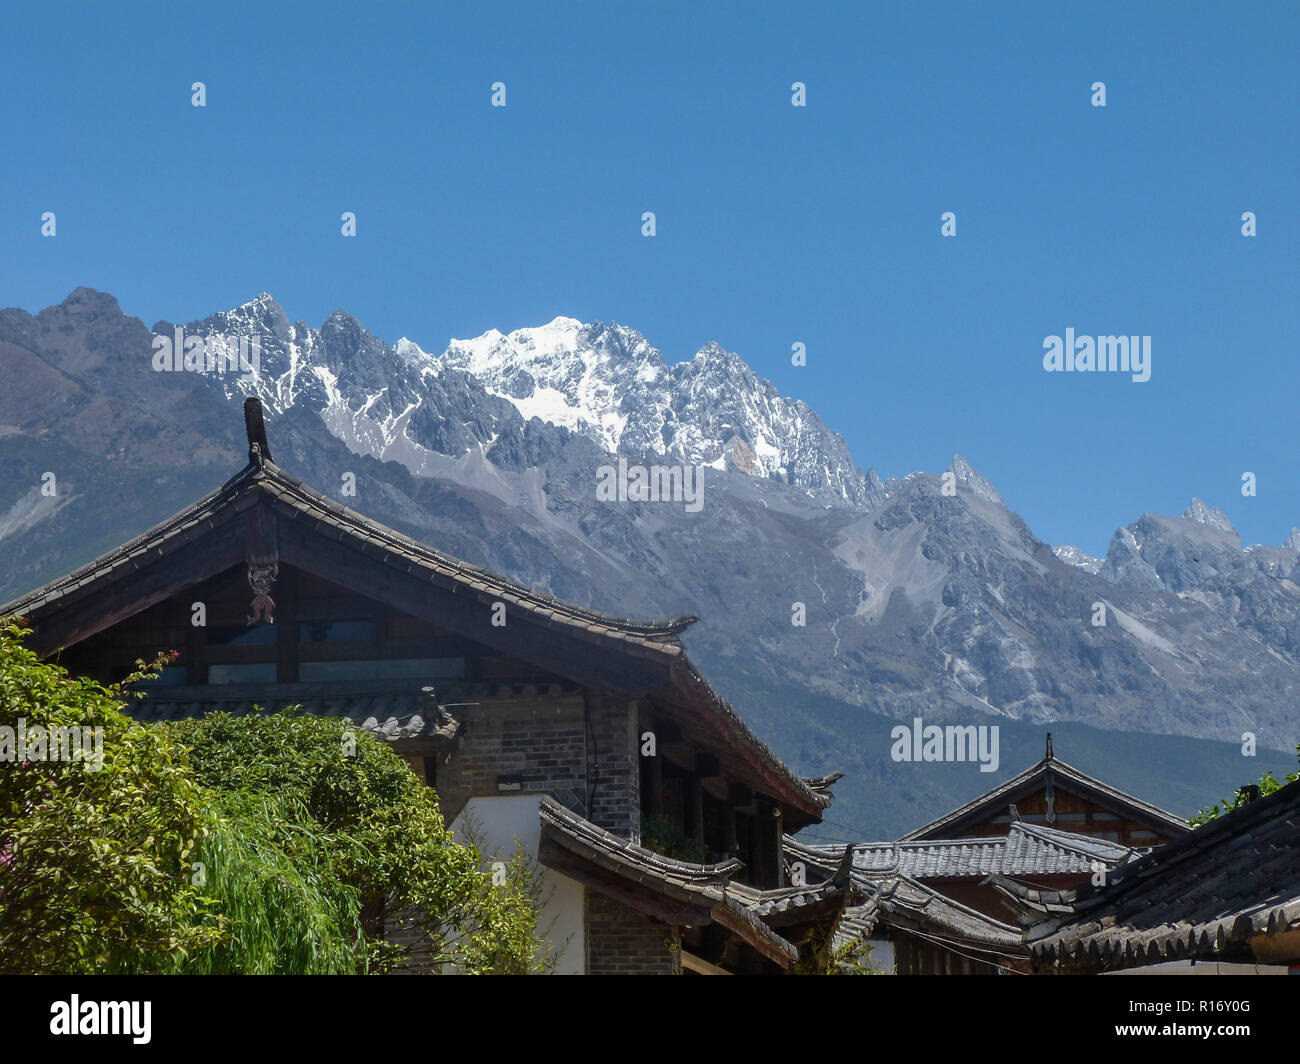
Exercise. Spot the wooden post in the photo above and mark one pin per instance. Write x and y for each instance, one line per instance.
(196, 639)
(730, 844)
(693, 813)
(286, 623)
(778, 844)
(767, 843)
(739, 799)
(652, 771)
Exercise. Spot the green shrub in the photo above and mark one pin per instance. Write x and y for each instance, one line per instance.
(94, 863)
(278, 843)
(1268, 783)
(377, 829)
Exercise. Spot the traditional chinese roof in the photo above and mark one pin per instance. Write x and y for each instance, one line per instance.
(1050, 770)
(901, 902)
(209, 537)
(786, 901)
(785, 905)
(1026, 850)
(262, 478)
(897, 899)
(822, 784)
(1205, 895)
(857, 923)
(891, 875)
(676, 892)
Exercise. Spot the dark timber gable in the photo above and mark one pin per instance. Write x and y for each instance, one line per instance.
(305, 602)
(1060, 796)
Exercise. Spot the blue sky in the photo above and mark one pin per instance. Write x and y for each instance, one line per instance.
(776, 224)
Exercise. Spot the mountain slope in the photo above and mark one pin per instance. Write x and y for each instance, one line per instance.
(924, 596)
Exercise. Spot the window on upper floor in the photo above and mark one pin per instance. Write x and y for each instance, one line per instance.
(260, 672)
(171, 676)
(349, 631)
(383, 669)
(260, 635)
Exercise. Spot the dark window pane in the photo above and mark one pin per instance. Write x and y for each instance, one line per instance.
(259, 636)
(170, 676)
(258, 673)
(336, 632)
(383, 669)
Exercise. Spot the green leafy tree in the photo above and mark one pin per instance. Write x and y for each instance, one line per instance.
(1267, 784)
(379, 830)
(853, 958)
(822, 956)
(94, 859)
(259, 844)
(277, 902)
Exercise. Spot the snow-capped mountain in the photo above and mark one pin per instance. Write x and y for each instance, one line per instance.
(610, 385)
(603, 382)
(918, 600)
(1211, 518)
(1074, 556)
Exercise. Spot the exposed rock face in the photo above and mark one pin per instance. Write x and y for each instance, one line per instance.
(917, 602)
(1074, 556)
(607, 383)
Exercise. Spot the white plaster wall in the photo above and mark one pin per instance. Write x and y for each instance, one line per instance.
(882, 955)
(503, 823)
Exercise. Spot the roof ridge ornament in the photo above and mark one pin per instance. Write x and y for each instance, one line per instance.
(845, 870)
(259, 450)
(1050, 756)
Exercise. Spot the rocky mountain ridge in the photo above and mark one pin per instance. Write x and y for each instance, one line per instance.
(924, 595)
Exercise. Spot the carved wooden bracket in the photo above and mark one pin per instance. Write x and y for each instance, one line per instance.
(262, 555)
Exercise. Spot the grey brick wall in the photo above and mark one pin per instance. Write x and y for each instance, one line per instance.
(553, 747)
(542, 741)
(614, 759)
(620, 941)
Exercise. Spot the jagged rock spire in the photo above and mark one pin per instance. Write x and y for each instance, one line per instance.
(1210, 517)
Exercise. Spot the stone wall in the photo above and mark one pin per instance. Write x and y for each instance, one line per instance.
(553, 747)
(614, 766)
(620, 941)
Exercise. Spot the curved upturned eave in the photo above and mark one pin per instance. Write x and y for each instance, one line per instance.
(267, 478)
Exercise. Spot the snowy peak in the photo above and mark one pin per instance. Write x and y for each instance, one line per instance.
(1293, 540)
(542, 346)
(608, 383)
(1213, 518)
(413, 354)
(1080, 560)
(713, 356)
(605, 383)
(971, 481)
(591, 379)
(261, 314)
